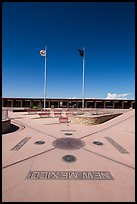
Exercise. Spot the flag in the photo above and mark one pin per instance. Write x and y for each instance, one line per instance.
(43, 52)
(81, 52)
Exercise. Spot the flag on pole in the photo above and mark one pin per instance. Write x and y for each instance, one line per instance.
(81, 52)
(43, 52)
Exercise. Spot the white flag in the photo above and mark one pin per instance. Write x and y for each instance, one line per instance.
(43, 52)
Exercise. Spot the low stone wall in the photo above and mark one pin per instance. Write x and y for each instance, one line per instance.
(94, 120)
(5, 125)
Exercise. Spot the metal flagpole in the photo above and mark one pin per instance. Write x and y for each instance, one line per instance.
(45, 79)
(83, 78)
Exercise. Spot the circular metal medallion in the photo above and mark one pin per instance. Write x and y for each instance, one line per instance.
(39, 142)
(68, 143)
(68, 133)
(98, 143)
(69, 158)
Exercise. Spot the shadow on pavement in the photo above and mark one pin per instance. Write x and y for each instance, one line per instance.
(11, 129)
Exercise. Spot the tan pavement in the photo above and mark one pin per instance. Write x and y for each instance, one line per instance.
(99, 173)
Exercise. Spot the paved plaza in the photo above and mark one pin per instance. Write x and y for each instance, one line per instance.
(44, 160)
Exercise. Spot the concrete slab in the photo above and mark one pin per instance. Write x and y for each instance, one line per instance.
(101, 173)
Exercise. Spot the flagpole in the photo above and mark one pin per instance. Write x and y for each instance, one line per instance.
(83, 78)
(45, 80)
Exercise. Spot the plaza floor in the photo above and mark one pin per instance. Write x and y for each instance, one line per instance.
(47, 161)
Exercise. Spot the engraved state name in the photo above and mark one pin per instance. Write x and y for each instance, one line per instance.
(20, 144)
(70, 175)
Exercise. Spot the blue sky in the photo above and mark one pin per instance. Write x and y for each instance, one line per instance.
(105, 29)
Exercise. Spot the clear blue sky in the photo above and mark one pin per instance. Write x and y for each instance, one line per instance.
(105, 29)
